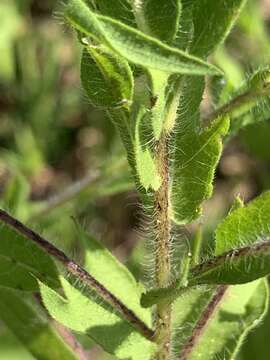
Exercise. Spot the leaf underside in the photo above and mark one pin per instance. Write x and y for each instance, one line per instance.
(240, 310)
(21, 261)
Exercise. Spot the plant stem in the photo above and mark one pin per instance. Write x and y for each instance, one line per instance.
(203, 321)
(235, 103)
(162, 249)
(72, 268)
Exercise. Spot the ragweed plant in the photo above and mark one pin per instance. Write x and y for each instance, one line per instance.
(145, 62)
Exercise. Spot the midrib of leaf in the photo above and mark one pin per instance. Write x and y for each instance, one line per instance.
(215, 133)
(137, 50)
(132, 44)
(26, 267)
(203, 321)
(222, 337)
(76, 270)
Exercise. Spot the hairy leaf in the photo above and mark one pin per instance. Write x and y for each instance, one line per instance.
(186, 28)
(257, 343)
(90, 316)
(242, 246)
(250, 103)
(132, 44)
(162, 18)
(21, 261)
(245, 225)
(121, 120)
(161, 296)
(241, 308)
(194, 302)
(31, 328)
(106, 78)
(105, 268)
(118, 9)
(195, 163)
(213, 20)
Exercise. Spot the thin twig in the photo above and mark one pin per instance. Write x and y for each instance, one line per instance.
(202, 322)
(79, 272)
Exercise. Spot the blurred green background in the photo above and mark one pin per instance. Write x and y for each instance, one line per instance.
(61, 159)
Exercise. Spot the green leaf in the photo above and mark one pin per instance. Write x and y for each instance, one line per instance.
(145, 163)
(22, 260)
(11, 348)
(186, 28)
(121, 119)
(213, 20)
(31, 328)
(11, 22)
(106, 78)
(132, 44)
(90, 316)
(194, 168)
(196, 158)
(105, 268)
(257, 344)
(162, 295)
(245, 225)
(242, 247)
(257, 146)
(194, 302)
(118, 9)
(254, 104)
(240, 310)
(162, 18)
(16, 195)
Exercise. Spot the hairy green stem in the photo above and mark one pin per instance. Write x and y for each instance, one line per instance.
(235, 103)
(162, 249)
(73, 268)
(202, 322)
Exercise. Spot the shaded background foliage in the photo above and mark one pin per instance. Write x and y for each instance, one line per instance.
(61, 159)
